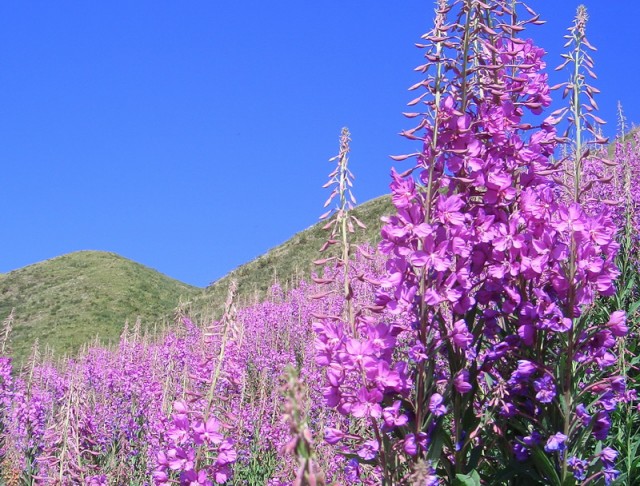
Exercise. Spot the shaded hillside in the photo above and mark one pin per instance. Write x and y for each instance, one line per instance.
(67, 301)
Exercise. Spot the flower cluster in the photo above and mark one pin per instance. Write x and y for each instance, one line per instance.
(491, 276)
(196, 450)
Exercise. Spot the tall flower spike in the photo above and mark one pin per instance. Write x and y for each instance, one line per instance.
(341, 182)
(228, 324)
(7, 326)
(301, 442)
(582, 105)
(342, 222)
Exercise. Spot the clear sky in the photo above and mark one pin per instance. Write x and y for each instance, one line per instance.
(192, 136)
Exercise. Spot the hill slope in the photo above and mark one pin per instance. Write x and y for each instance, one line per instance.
(287, 263)
(67, 301)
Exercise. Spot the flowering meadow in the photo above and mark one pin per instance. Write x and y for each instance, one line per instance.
(491, 337)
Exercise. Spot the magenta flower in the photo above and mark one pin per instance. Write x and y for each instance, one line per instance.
(461, 382)
(369, 450)
(333, 435)
(460, 335)
(392, 416)
(556, 443)
(449, 210)
(579, 467)
(545, 389)
(525, 368)
(367, 404)
(179, 459)
(617, 323)
(193, 478)
(436, 405)
(208, 432)
(226, 453)
(608, 457)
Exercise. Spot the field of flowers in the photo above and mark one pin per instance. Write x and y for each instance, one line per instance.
(491, 338)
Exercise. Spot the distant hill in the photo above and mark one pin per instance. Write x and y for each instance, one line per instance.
(67, 301)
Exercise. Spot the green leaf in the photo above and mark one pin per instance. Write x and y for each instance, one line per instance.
(633, 308)
(515, 469)
(474, 457)
(471, 479)
(436, 445)
(543, 463)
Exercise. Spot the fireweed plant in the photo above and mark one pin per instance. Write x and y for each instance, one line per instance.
(301, 444)
(198, 452)
(341, 223)
(493, 357)
(338, 332)
(135, 414)
(622, 197)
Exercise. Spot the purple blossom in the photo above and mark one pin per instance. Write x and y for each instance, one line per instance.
(556, 443)
(579, 467)
(461, 382)
(608, 457)
(545, 389)
(436, 405)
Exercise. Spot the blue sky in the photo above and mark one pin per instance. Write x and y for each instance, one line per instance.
(194, 136)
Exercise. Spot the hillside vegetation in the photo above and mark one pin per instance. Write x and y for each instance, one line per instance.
(71, 300)
(67, 301)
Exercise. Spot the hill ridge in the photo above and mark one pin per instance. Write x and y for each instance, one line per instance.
(68, 299)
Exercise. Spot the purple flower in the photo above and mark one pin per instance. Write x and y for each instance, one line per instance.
(99, 480)
(436, 405)
(333, 435)
(556, 443)
(610, 475)
(367, 404)
(601, 425)
(532, 440)
(410, 446)
(521, 452)
(392, 416)
(226, 453)
(369, 450)
(222, 473)
(193, 478)
(179, 459)
(617, 323)
(208, 432)
(526, 368)
(545, 389)
(582, 414)
(352, 470)
(579, 467)
(461, 382)
(608, 457)
(460, 335)
(383, 376)
(449, 210)
(412, 443)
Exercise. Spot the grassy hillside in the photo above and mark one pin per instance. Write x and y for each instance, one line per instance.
(67, 301)
(289, 262)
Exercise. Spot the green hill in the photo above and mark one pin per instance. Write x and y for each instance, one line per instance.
(67, 301)
(70, 300)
